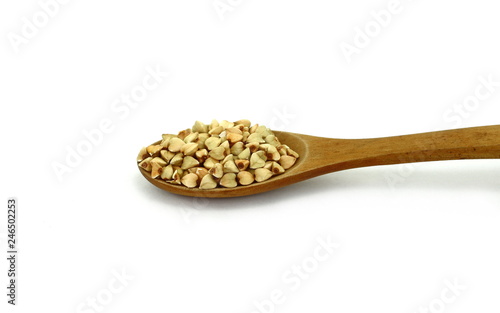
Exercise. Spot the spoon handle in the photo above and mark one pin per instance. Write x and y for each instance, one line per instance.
(466, 143)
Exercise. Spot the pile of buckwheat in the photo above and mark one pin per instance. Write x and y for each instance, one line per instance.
(225, 154)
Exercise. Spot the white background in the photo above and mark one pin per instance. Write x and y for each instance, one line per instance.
(405, 232)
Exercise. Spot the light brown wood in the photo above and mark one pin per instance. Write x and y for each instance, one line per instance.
(320, 156)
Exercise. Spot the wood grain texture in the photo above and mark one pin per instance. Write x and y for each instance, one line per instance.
(319, 155)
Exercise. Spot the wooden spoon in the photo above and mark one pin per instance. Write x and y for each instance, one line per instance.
(319, 155)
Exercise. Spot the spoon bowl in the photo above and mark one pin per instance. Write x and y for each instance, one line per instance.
(295, 141)
(320, 155)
